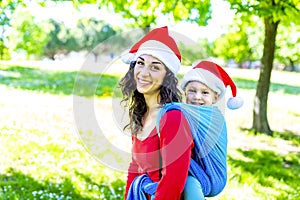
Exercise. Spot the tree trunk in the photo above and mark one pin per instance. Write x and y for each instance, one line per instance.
(293, 69)
(146, 29)
(260, 120)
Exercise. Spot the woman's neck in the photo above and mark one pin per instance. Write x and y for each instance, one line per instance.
(149, 118)
(152, 102)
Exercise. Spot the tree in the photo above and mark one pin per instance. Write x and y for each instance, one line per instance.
(242, 43)
(93, 32)
(85, 36)
(6, 10)
(144, 13)
(288, 46)
(54, 44)
(27, 35)
(272, 12)
(233, 45)
(193, 51)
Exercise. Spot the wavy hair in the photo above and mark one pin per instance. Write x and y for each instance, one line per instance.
(136, 101)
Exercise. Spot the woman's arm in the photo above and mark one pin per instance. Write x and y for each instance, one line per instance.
(132, 173)
(176, 143)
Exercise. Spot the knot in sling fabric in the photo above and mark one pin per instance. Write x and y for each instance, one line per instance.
(208, 127)
(140, 187)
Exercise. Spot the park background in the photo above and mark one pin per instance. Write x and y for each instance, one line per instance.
(49, 47)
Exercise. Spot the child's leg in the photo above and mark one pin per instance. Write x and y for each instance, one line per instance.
(192, 189)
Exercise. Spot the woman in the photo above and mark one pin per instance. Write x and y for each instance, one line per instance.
(159, 161)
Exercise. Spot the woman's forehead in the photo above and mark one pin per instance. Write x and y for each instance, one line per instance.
(150, 58)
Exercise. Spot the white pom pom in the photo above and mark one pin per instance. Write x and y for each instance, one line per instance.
(128, 57)
(235, 103)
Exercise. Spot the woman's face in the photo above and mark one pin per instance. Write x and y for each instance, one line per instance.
(149, 73)
(199, 94)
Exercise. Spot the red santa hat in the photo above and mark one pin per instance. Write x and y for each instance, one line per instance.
(214, 77)
(159, 44)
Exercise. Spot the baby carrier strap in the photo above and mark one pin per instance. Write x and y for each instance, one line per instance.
(208, 127)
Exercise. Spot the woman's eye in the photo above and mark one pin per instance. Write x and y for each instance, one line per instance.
(139, 63)
(191, 91)
(155, 67)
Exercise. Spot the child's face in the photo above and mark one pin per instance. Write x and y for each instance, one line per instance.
(199, 94)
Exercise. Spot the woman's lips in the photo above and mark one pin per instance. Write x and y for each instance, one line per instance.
(143, 82)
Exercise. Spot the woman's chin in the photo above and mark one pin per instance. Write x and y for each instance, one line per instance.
(143, 89)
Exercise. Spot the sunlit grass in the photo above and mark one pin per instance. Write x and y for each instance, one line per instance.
(58, 82)
(42, 155)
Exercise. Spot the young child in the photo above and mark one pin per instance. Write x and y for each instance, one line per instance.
(205, 85)
(211, 81)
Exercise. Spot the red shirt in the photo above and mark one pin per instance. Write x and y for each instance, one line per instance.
(165, 159)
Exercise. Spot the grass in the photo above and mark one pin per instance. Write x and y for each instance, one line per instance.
(43, 156)
(57, 82)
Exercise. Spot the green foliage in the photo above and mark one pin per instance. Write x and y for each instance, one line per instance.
(57, 39)
(93, 32)
(244, 41)
(6, 10)
(144, 13)
(288, 45)
(4, 52)
(284, 11)
(87, 34)
(27, 36)
(203, 49)
(233, 45)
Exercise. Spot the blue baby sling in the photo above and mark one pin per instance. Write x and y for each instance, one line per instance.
(208, 166)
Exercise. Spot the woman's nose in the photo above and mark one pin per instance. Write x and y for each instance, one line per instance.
(144, 71)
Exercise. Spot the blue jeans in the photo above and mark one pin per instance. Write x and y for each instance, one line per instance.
(192, 189)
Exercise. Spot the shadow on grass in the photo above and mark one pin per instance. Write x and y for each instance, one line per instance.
(286, 135)
(16, 185)
(58, 82)
(274, 87)
(289, 136)
(269, 170)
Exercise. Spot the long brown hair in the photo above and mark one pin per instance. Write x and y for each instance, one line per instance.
(136, 101)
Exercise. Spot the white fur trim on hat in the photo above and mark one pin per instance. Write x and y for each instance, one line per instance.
(205, 77)
(161, 52)
(128, 57)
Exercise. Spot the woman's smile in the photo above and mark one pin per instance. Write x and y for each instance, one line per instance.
(143, 82)
(149, 73)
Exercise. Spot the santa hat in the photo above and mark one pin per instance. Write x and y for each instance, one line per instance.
(216, 78)
(159, 44)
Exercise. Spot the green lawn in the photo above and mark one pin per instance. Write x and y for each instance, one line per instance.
(43, 157)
